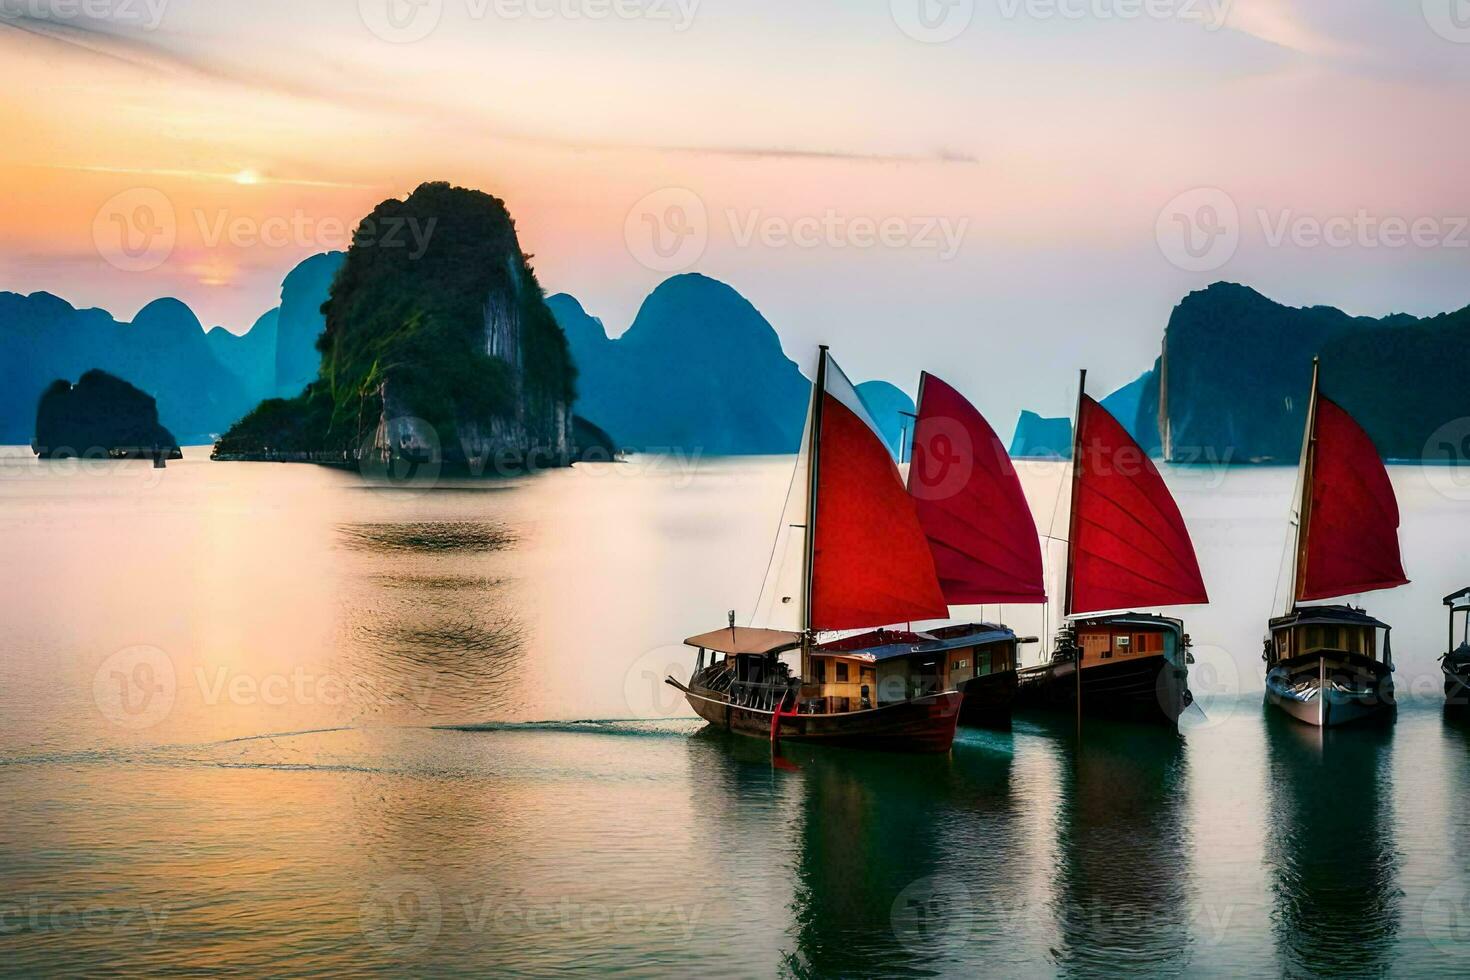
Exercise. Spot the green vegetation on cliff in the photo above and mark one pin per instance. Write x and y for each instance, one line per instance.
(410, 319)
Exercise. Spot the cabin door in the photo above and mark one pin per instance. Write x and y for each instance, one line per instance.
(926, 676)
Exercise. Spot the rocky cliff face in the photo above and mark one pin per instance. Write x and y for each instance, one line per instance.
(437, 344)
(1238, 370)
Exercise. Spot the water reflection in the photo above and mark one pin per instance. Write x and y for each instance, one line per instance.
(1330, 843)
(1124, 888)
(899, 858)
(428, 625)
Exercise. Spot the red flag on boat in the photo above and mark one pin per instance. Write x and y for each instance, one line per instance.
(1130, 548)
(1350, 525)
(970, 504)
(870, 561)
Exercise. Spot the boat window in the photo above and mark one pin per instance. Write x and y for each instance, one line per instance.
(820, 666)
(841, 672)
(983, 663)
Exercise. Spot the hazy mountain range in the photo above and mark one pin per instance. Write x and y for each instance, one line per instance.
(202, 382)
(700, 367)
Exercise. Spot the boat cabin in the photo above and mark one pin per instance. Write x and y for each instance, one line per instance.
(1119, 639)
(752, 667)
(887, 666)
(1459, 604)
(1310, 630)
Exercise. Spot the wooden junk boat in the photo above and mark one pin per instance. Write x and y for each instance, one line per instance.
(1456, 660)
(849, 555)
(983, 539)
(1323, 663)
(1127, 547)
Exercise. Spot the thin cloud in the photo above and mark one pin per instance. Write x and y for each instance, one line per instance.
(154, 52)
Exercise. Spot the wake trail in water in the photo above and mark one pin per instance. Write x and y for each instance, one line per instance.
(621, 727)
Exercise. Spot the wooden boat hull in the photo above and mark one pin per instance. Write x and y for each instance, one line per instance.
(1149, 689)
(1359, 688)
(988, 699)
(924, 724)
(1456, 667)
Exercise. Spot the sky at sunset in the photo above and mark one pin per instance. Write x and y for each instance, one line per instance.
(1002, 191)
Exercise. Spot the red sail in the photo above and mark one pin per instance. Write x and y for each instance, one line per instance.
(1130, 548)
(1352, 520)
(871, 564)
(970, 504)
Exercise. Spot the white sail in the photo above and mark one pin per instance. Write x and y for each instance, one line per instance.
(781, 605)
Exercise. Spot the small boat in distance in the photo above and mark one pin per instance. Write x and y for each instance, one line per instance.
(1127, 548)
(1323, 665)
(983, 538)
(849, 555)
(1456, 659)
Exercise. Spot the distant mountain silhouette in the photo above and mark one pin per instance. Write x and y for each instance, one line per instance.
(100, 415)
(1240, 366)
(301, 321)
(163, 351)
(1239, 371)
(1042, 438)
(893, 409)
(699, 369)
(202, 382)
(251, 356)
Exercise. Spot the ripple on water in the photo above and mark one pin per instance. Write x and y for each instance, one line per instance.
(427, 536)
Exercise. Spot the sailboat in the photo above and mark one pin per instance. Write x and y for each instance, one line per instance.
(849, 555)
(1456, 659)
(982, 536)
(1127, 548)
(1322, 662)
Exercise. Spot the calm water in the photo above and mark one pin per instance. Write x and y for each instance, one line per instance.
(218, 750)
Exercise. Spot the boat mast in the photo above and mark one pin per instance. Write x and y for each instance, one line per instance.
(814, 460)
(1076, 476)
(1072, 530)
(1304, 492)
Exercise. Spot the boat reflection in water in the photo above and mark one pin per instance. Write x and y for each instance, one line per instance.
(1123, 892)
(1330, 845)
(902, 865)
